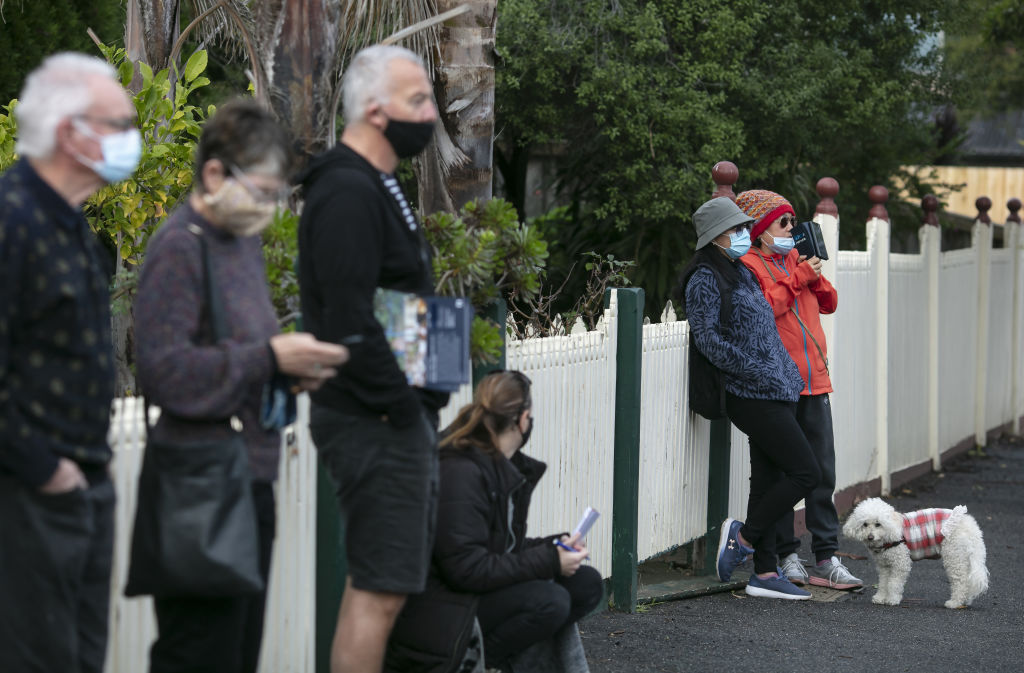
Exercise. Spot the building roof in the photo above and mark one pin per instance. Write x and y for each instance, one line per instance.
(995, 140)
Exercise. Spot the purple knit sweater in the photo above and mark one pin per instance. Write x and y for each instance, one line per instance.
(197, 384)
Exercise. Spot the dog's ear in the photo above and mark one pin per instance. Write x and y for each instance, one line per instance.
(853, 523)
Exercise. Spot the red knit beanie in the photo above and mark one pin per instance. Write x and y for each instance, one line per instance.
(765, 207)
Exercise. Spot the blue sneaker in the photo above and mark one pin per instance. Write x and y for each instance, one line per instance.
(775, 587)
(731, 552)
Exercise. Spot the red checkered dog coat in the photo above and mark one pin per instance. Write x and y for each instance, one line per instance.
(922, 532)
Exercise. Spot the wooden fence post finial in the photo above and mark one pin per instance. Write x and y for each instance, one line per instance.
(827, 190)
(725, 174)
(1013, 205)
(879, 195)
(983, 203)
(930, 206)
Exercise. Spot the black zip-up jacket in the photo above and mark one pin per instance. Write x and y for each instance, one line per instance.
(353, 238)
(481, 545)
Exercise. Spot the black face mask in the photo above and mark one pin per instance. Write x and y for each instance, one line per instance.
(408, 138)
(526, 435)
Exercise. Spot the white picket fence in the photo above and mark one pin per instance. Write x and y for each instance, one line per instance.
(924, 357)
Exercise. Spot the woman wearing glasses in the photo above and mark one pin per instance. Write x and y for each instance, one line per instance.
(199, 382)
(798, 295)
(527, 589)
(762, 386)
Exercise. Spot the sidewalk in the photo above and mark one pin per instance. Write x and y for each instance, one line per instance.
(839, 631)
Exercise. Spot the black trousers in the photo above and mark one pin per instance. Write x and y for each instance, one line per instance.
(783, 470)
(814, 415)
(517, 616)
(221, 634)
(56, 553)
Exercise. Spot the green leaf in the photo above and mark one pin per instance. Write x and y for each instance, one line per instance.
(147, 73)
(196, 65)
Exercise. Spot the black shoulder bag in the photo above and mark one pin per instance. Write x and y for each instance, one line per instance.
(707, 385)
(195, 531)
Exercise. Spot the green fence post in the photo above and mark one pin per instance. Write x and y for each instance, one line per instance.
(625, 492)
(331, 567)
(498, 312)
(718, 489)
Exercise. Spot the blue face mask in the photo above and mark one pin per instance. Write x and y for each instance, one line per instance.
(739, 243)
(121, 153)
(781, 246)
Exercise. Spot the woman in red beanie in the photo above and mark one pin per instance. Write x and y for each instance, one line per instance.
(798, 295)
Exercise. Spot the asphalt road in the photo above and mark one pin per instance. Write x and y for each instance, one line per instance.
(838, 631)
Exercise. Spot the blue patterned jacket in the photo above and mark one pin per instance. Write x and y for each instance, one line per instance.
(751, 355)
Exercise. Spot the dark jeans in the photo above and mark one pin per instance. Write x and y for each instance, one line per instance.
(517, 616)
(217, 634)
(55, 561)
(783, 470)
(814, 414)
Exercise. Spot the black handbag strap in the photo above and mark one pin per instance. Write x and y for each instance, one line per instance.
(214, 304)
(213, 301)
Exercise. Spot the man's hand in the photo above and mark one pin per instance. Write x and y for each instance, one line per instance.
(67, 477)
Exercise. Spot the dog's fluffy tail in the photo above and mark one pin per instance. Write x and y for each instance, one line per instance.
(965, 524)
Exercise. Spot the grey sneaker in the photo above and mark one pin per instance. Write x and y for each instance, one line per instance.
(793, 569)
(834, 575)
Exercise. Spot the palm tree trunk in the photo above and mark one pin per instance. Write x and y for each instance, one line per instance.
(151, 27)
(464, 87)
(298, 44)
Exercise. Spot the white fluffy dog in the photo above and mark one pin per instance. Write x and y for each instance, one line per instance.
(897, 539)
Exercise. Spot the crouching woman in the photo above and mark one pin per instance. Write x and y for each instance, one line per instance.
(526, 589)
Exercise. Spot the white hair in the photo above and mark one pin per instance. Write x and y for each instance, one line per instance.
(366, 81)
(57, 89)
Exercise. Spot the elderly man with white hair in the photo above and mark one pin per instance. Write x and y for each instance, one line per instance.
(376, 434)
(76, 133)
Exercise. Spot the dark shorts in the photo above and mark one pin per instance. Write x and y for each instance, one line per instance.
(386, 480)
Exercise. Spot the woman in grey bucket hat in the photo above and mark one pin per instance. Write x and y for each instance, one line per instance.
(762, 385)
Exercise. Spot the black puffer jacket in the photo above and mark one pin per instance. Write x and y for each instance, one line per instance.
(481, 541)
(481, 546)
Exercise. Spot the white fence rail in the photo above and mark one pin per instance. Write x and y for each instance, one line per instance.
(898, 316)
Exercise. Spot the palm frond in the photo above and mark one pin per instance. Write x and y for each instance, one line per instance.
(221, 28)
(366, 22)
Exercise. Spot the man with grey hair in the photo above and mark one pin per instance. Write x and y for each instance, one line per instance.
(76, 133)
(376, 434)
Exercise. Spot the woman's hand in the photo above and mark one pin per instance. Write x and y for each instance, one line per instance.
(311, 361)
(571, 560)
(815, 265)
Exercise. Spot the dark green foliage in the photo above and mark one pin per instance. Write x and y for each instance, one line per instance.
(985, 46)
(280, 250)
(638, 100)
(31, 30)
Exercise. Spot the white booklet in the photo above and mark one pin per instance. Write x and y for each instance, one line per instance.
(586, 521)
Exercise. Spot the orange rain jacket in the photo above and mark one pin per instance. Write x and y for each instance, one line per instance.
(783, 282)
